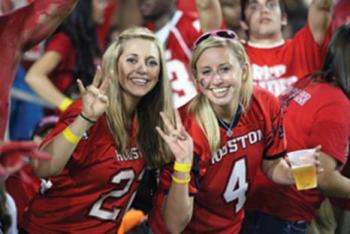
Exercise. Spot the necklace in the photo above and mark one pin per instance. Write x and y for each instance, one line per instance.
(234, 121)
(228, 128)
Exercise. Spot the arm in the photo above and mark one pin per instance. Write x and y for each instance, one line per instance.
(209, 14)
(60, 147)
(38, 78)
(319, 18)
(331, 182)
(278, 171)
(41, 18)
(178, 205)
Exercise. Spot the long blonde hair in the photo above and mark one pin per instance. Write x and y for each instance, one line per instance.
(201, 106)
(158, 99)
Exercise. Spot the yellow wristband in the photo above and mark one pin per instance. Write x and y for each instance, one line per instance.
(65, 104)
(70, 136)
(182, 167)
(181, 181)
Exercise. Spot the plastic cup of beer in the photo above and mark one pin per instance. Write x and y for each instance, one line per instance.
(303, 168)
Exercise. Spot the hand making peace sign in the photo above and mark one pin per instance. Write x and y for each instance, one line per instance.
(94, 98)
(178, 140)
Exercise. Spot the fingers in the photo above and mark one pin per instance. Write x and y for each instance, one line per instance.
(105, 84)
(81, 87)
(98, 76)
(169, 126)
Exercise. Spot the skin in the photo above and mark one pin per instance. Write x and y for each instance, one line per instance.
(219, 74)
(139, 68)
(264, 23)
(98, 10)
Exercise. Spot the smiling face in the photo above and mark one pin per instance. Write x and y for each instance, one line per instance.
(264, 19)
(219, 75)
(139, 68)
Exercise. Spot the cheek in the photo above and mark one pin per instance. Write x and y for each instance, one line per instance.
(203, 83)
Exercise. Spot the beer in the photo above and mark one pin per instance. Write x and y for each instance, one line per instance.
(305, 176)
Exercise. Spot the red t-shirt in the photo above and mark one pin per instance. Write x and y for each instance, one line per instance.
(220, 182)
(178, 36)
(277, 67)
(95, 188)
(62, 76)
(317, 115)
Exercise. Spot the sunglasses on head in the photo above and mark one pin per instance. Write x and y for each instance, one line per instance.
(227, 34)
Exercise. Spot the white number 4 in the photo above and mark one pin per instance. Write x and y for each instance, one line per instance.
(237, 185)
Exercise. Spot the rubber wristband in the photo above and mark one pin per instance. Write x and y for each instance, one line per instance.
(87, 119)
(65, 104)
(181, 181)
(182, 167)
(70, 136)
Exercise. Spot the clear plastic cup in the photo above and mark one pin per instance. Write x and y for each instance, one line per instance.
(303, 168)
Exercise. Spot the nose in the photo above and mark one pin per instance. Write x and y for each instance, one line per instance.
(142, 68)
(216, 79)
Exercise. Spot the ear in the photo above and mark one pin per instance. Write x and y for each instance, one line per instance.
(244, 25)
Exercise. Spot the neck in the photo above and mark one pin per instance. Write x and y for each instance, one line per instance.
(226, 113)
(269, 40)
(130, 104)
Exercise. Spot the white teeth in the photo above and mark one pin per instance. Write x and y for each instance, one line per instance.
(219, 90)
(139, 81)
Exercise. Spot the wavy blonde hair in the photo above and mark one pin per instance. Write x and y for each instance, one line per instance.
(152, 146)
(201, 106)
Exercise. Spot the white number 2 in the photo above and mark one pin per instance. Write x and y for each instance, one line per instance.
(237, 185)
(98, 211)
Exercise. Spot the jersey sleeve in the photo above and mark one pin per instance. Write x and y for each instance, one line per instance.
(61, 44)
(331, 130)
(275, 142)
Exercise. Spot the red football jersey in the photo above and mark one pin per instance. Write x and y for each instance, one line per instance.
(276, 67)
(220, 182)
(319, 114)
(178, 36)
(95, 188)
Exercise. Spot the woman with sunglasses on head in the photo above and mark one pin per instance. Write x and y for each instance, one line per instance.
(235, 129)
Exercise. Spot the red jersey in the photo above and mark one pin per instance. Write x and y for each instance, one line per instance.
(19, 31)
(95, 188)
(220, 182)
(62, 76)
(178, 36)
(276, 67)
(318, 114)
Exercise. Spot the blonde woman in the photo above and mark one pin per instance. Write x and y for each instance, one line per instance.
(102, 143)
(235, 129)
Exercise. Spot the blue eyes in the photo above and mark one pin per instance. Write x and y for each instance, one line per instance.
(149, 62)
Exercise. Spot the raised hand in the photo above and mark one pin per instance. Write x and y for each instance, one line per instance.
(15, 154)
(94, 98)
(178, 140)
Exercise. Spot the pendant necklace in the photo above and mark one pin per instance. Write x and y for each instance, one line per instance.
(234, 121)
(228, 128)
